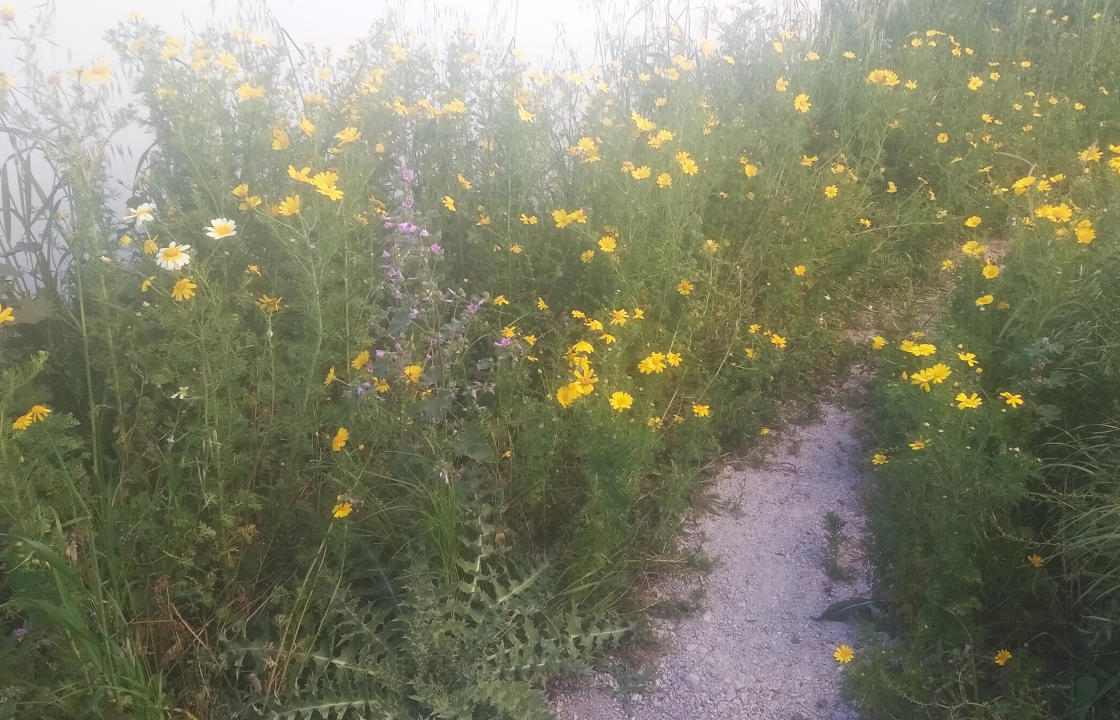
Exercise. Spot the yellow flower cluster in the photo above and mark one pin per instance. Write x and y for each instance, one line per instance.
(36, 414)
(935, 374)
(584, 378)
(917, 349)
(656, 362)
(563, 218)
(882, 76)
(1054, 213)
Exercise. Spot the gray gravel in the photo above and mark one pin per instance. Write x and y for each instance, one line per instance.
(752, 651)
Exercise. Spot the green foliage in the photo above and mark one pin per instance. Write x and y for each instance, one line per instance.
(834, 545)
(361, 456)
(471, 649)
(997, 533)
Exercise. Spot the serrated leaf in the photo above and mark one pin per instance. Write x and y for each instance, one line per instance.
(473, 442)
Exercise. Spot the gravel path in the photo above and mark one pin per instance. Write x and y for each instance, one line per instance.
(753, 650)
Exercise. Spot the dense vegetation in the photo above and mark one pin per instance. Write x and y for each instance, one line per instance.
(400, 368)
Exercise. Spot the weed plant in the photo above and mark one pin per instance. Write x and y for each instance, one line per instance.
(401, 366)
(994, 474)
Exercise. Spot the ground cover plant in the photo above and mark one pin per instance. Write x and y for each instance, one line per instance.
(400, 367)
(994, 477)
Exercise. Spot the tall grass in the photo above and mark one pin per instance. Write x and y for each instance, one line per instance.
(405, 436)
(993, 536)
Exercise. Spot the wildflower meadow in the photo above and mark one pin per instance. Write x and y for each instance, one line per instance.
(394, 379)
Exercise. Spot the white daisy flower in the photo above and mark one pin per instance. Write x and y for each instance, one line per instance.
(173, 257)
(142, 214)
(181, 394)
(221, 228)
